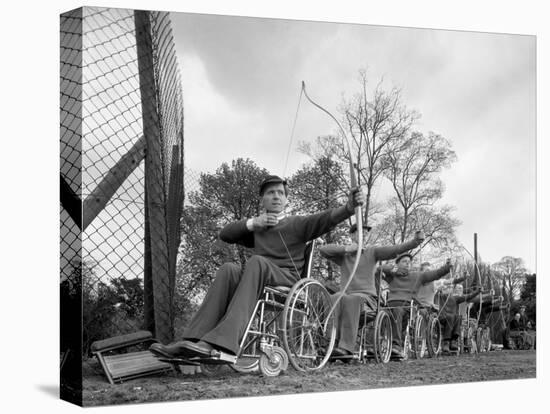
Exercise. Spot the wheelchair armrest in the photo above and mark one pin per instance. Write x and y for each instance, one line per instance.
(277, 290)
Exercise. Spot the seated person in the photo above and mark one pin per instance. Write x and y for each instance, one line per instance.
(515, 323)
(362, 289)
(449, 317)
(278, 242)
(427, 295)
(403, 286)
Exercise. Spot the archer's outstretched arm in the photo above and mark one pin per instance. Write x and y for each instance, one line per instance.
(389, 252)
(333, 252)
(431, 275)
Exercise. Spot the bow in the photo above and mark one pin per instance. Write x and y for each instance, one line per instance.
(479, 284)
(358, 212)
(454, 275)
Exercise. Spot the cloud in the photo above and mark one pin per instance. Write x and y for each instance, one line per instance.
(242, 81)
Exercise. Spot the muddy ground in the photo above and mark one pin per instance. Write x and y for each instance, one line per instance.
(495, 365)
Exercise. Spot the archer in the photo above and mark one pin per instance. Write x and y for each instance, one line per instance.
(362, 289)
(278, 242)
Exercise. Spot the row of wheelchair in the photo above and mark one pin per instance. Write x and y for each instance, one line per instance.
(295, 326)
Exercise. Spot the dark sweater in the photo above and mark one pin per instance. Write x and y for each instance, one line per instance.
(284, 243)
(363, 281)
(448, 304)
(403, 286)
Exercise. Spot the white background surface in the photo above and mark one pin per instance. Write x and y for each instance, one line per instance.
(29, 162)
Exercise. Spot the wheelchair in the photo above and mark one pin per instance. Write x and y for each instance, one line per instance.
(475, 333)
(377, 331)
(414, 334)
(521, 340)
(288, 325)
(433, 333)
(375, 334)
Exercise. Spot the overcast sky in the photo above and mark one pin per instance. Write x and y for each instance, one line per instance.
(241, 82)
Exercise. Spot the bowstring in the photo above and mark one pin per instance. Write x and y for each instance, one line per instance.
(293, 129)
(358, 209)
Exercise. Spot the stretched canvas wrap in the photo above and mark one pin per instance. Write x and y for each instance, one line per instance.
(170, 125)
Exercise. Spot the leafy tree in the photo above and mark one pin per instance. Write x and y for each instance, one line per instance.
(528, 297)
(317, 187)
(128, 295)
(229, 194)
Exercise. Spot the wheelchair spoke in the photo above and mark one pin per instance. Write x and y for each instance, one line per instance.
(305, 340)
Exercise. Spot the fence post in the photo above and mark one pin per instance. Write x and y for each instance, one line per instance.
(156, 199)
(71, 314)
(476, 273)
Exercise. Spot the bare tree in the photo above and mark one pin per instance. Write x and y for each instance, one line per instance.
(437, 223)
(413, 166)
(374, 122)
(511, 273)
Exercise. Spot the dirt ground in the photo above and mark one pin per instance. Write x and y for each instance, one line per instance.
(337, 376)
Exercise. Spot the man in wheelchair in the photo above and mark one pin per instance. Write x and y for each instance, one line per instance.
(428, 295)
(403, 286)
(362, 289)
(450, 320)
(278, 242)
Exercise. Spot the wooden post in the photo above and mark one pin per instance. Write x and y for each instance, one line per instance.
(148, 296)
(174, 211)
(71, 202)
(154, 182)
(98, 199)
(70, 291)
(476, 272)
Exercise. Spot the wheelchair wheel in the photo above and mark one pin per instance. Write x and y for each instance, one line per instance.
(483, 339)
(520, 342)
(472, 341)
(419, 337)
(309, 332)
(272, 365)
(211, 370)
(462, 341)
(486, 339)
(434, 336)
(407, 346)
(479, 339)
(383, 337)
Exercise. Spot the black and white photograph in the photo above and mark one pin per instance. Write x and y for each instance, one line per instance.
(264, 207)
(260, 216)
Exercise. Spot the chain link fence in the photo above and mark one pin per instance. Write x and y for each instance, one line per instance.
(122, 173)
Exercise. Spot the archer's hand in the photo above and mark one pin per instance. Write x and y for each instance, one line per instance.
(356, 198)
(419, 236)
(264, 220)
(449, 263)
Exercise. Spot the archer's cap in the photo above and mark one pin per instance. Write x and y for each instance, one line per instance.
(271, 179)
(353, 228)
(401, 256)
